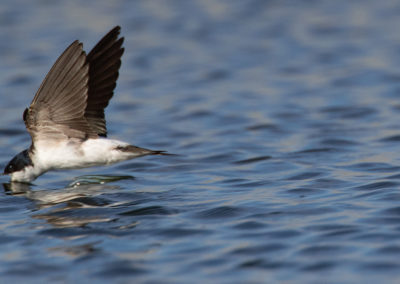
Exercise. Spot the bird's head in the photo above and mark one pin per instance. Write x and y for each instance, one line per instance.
(20, 167)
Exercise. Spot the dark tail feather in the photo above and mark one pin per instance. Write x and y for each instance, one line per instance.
(164, 153)
(142, 151)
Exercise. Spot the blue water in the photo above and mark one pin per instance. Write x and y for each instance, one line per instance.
(286, 119)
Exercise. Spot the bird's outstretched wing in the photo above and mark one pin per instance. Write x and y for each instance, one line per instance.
(58, 108)
(71, 100)
(104, 62)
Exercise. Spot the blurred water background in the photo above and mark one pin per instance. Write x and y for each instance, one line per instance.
(286, 116)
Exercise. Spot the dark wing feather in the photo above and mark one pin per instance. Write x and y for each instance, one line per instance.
(104, 61)
(57, 110)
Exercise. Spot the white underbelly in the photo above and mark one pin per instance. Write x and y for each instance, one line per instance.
(66, 155)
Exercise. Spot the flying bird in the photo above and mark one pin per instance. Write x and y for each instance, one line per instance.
(66, 117)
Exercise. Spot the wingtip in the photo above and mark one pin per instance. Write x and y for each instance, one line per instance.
(115, 30)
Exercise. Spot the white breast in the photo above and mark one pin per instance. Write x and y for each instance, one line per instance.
(75, 154)
(68, 154)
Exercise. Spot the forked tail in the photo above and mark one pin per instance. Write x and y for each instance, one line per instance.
(142, 151)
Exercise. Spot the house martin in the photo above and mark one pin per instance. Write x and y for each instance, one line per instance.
(66, 117)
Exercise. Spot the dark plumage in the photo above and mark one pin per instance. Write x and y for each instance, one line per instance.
(104, 62)
(71, 100)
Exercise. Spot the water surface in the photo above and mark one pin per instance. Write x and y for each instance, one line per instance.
(285, 116)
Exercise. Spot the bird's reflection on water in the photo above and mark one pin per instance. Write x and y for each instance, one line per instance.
(71, 206)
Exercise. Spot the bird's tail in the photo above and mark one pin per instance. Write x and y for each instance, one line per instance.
(142, 151)
(161, 152)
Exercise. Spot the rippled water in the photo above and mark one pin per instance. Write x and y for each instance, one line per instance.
(286, 119)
